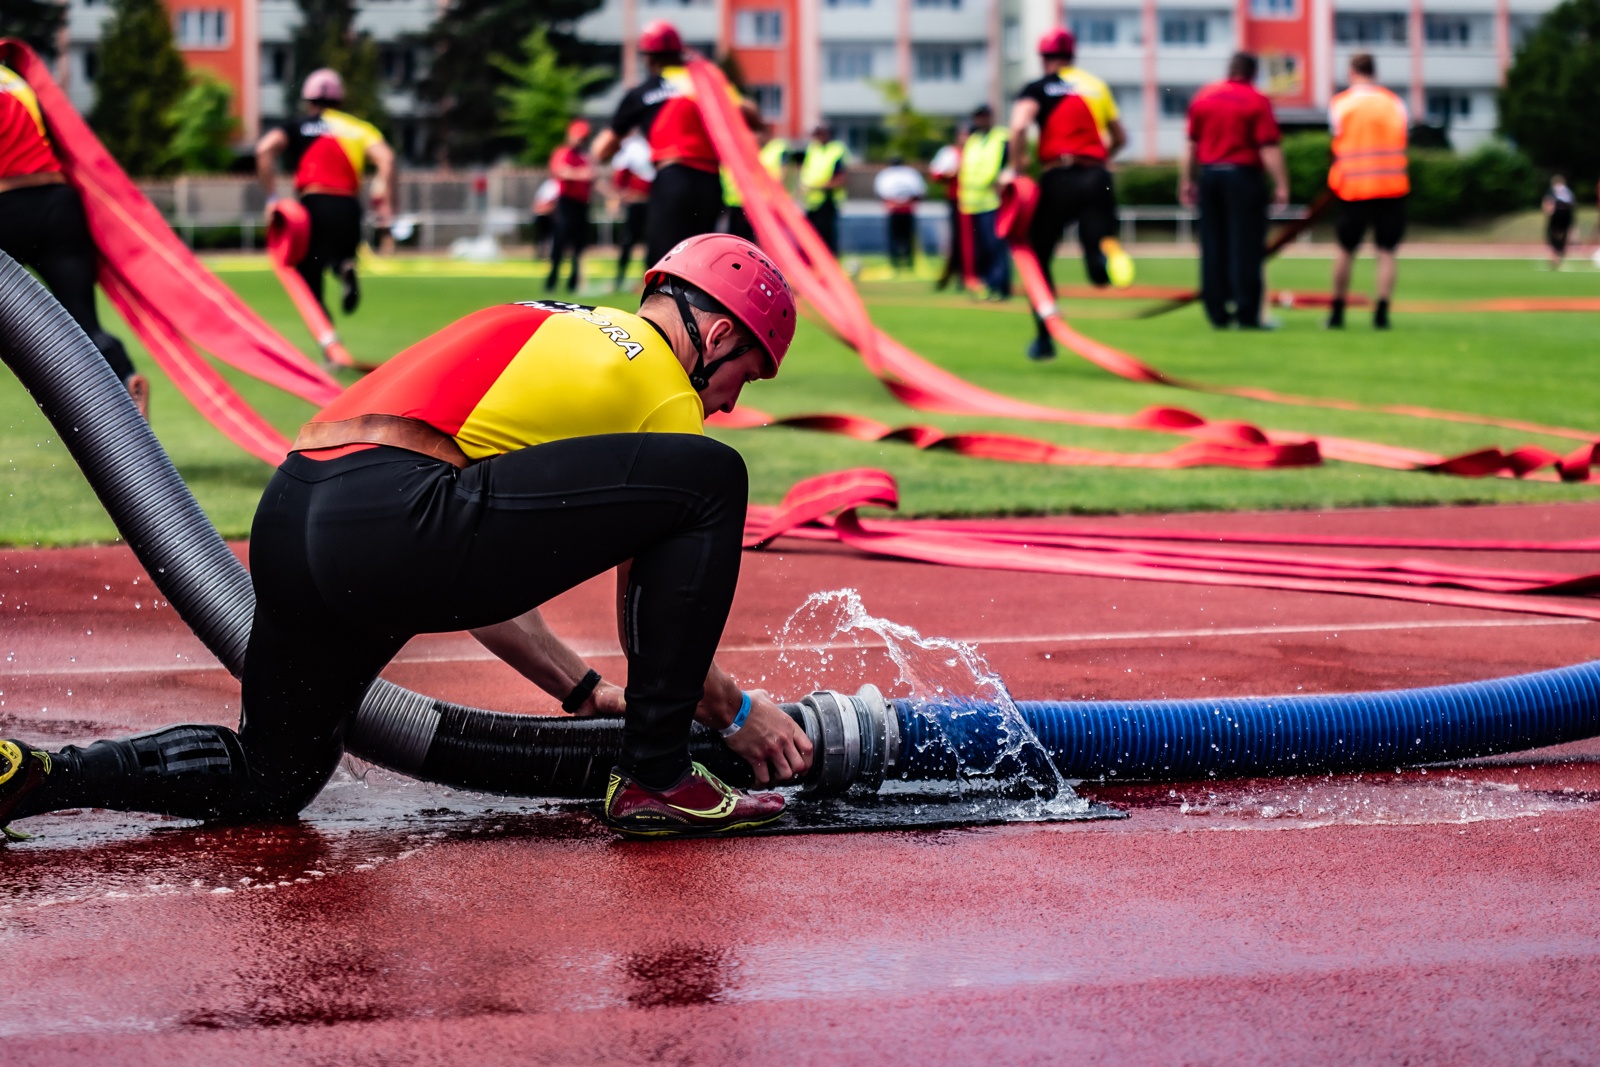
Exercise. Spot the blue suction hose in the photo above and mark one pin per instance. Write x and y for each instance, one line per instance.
(1174, 740)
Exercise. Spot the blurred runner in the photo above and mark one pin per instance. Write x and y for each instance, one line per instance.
(983, 160)
(1078, 132)
(329, 151)
(946, 167)
(900, 187)
(510, 457)
(42, 225)
(1560, 207)
(822, 178)
(544, 215)
(1233, 145)
(572, 168)
(686, 195)
(774, 152)
(1369, 177)
(631, 175)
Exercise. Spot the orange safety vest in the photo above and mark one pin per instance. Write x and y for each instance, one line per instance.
(1369, 144)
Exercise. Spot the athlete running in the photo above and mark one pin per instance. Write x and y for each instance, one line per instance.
(329, 150)
(517, 453)
(42, 224)
(686, 196)
(1078, 132)
(1560, 208)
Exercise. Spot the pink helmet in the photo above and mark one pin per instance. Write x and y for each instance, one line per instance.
(660, 37)
(1058, 42)
(739, 276)
(323, 84)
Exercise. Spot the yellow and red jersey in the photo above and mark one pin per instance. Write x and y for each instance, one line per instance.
(518, 375)
(1370, 126)
(330, 150)
(663, 109)
(24, 144)
(1076, 110)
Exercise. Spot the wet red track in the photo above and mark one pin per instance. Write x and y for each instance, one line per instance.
(1446, 917)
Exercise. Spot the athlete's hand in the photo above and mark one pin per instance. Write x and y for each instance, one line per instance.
(607, 701)
(1188, 193)
(1007, 176)
(774, 745)
(1280, 197)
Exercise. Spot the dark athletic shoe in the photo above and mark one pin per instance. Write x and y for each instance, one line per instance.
(22, 770)
(1041, 349)
(1380, 316)
(699, 803)
(352, 288)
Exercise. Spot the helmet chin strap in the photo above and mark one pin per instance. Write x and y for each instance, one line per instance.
(700, 376)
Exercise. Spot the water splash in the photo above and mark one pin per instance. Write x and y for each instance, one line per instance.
(997, 756)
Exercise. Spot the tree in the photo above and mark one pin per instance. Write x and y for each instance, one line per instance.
(203, 126)
(141, 77)
(326, 37)
(464, 86)
(1552, 91)
(542, 96)
(910, 134)
(36, 22)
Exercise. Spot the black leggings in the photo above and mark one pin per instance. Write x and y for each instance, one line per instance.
(571, 236)
(1233, 237)
(684, 203)
(44, 227)
(335, 233)
(352, 557)
(1081, 194)
(635, 224)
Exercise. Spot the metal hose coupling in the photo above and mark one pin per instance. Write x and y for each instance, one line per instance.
(856, 740)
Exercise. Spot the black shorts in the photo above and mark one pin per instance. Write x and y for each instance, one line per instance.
(1081, 194)
(1558, 230)
(1385, 217)
(684, 202)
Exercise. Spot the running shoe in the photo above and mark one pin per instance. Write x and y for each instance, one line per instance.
(139, 389)
(1041, 349)
(22, 770)
(352, 288)
(698, 803)
(1119, 265)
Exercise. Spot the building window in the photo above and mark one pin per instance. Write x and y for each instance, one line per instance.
(757, 28)
(1175, 100)
(1370, 29)
(849, 3)
(1446, 108)
(1274, 9)
(274, 65)
(769, 100)
(1284, 74)
(1183, 31)
(1093, 30)
(1447, 31)
(948, 5)
(938, 63)
(397, 66)
(1011, 40)
(202, 27)
(849, 63)
(677, 3)
(91, 65)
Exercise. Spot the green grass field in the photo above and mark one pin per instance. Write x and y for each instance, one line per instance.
(1539, 367)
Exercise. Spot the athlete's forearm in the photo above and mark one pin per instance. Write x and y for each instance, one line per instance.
(1023, 112)
(1272, 160)
(1119, 138)
(527, 644)
(606, 145)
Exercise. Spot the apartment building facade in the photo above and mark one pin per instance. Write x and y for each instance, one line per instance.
(247, 44)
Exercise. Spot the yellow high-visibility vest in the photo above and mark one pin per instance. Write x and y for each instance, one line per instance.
(771, 155)
(982, 157)
(816, 171)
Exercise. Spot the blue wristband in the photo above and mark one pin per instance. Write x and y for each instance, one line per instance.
(738, 720)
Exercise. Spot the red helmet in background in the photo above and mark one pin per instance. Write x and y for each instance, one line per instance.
(740, 277)
(660, 38)
(1058, 43)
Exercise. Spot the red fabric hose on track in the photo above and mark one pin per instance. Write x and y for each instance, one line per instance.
(825, 508)
(288, 237)
(1016, 211)
(172, 303)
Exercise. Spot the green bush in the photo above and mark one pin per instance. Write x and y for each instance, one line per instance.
(1307, 156)
(1147, 183)
(1501, 179)
(1438, 186)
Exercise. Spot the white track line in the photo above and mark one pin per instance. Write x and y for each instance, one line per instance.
(612, 652)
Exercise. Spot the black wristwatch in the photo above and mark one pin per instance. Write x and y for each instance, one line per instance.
(580, 692)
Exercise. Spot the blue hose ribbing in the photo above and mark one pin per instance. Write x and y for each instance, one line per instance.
(1170, 740)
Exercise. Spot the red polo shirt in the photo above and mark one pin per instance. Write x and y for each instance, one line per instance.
(1231, 122)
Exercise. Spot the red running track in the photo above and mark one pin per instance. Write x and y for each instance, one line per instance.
(1448, 917)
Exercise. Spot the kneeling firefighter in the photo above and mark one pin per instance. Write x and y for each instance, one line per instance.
(510, 457)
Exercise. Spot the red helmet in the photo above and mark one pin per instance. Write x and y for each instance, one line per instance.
(1058, 42)
(660, 37)
(740, 277)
